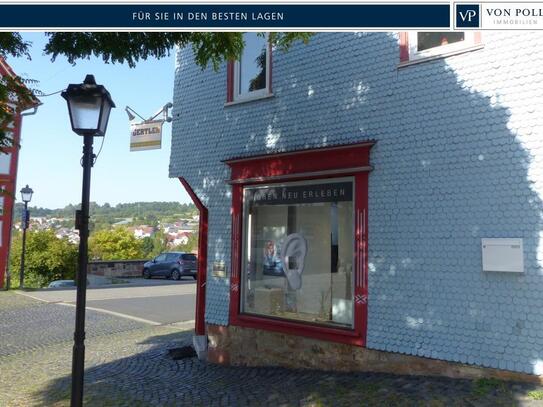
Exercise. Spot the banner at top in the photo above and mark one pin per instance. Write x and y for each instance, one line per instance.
(221, 16)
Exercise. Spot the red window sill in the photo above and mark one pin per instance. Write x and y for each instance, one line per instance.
(321, 332)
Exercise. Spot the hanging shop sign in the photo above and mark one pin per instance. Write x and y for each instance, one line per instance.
(146, 135)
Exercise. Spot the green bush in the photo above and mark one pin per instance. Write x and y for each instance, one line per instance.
(47, 258)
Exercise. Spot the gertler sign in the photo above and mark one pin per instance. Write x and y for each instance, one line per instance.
(146, 135)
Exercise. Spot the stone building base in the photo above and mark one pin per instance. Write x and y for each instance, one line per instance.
(238, 346)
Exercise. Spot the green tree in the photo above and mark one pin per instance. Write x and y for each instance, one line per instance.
(158, 245)
(151, 219)
(116, 244)
(147, 246)
(47, 258)
(210, 48)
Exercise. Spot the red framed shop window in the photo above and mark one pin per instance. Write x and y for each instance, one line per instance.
(299, 242)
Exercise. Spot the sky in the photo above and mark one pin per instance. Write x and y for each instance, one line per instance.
(49, 160)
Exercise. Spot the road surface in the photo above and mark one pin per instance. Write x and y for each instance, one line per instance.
(155, 301)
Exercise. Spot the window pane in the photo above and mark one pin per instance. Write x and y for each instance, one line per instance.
(426, 40)
(298, 252)
(252, 66)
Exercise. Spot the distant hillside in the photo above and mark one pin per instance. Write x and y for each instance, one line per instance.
(138, 212)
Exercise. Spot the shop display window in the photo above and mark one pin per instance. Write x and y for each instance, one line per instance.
(300, 242)
(298, 251)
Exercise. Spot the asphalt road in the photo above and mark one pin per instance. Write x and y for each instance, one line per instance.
(164, 309)
(154, 301)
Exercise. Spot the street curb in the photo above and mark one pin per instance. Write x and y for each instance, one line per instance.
(25, 294)
(183, 325)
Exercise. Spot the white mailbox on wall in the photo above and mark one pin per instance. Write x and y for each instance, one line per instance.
(503, 255)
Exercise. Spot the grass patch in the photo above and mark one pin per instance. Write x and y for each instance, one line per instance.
(481, 387)
(536, 394)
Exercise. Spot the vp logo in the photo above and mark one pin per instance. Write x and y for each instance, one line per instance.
(467, 15)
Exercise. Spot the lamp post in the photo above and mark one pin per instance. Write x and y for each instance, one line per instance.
(26, 196)
(89, 106)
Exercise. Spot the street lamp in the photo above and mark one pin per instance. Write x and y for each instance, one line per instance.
(89, 106)
(26, 196)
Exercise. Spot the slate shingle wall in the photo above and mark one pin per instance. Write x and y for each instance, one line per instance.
(458, 157)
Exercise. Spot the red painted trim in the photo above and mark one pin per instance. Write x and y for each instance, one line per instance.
(321, 159)
(9, 182)
(202, 260)
(404, 46)
(230, 81)
(302, 162)
(361, 255)
(235, 275)
(350, 337)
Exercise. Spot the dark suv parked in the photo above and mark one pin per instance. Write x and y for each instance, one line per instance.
(171, 265)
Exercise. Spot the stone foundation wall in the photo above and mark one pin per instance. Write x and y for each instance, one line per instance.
(234, 345)
(117, 268)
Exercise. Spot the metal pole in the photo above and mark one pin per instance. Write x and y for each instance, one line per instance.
(82, 222)
(25, 225)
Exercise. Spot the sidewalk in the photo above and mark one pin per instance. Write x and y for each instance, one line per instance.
(127, 364)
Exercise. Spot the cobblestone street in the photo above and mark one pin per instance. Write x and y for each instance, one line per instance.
(127, 364)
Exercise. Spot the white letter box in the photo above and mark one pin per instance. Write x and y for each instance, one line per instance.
(503, 255)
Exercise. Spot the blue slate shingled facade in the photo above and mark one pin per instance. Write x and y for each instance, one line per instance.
(459, 157)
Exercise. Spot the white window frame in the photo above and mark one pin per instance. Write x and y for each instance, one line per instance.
(256, 94)
(442, 50)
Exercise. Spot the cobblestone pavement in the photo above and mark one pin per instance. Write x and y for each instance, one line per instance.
(127, 364)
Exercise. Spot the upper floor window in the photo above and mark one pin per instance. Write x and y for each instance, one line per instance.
(427, 45)
(250, 75)
(429, 40)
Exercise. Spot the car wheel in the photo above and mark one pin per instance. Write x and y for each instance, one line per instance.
(146, 273)
(176, 275)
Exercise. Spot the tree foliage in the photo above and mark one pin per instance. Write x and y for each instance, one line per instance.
(210, 48)
(47, 258)
(14, 96)
(154, 245)
(115, 244)
(122, 210)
